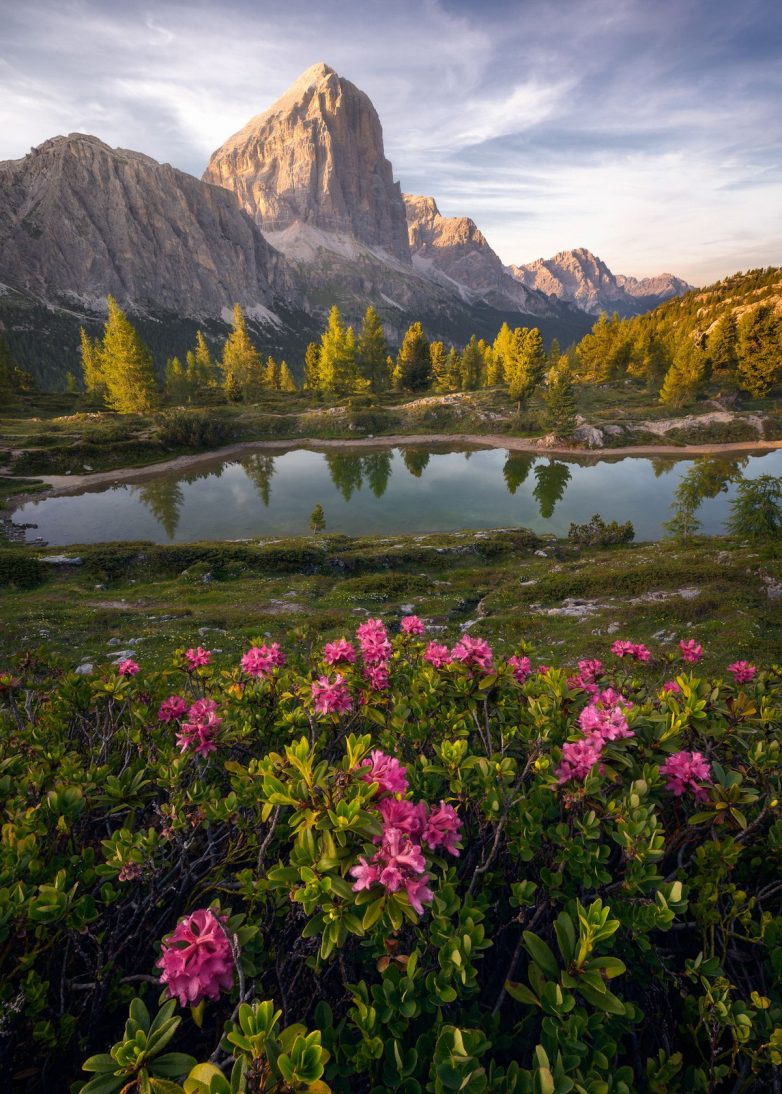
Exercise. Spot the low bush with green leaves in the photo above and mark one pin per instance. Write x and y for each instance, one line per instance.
(391, 865)
(598, 533)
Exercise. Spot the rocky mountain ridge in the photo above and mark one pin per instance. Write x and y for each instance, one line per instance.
(583, 279)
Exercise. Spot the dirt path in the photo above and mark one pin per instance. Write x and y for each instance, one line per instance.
(68, 484)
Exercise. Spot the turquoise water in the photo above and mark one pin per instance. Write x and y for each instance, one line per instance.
(384, 490)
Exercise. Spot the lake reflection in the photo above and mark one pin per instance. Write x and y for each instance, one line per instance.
(408, 489)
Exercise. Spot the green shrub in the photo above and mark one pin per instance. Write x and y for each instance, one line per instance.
(20, 569)
(596, 533)
(193, 429)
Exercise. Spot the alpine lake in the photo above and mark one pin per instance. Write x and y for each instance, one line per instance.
(382, 490)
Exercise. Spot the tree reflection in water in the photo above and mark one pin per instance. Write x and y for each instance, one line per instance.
(553, 478)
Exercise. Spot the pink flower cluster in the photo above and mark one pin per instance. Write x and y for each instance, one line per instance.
(386, 771)
(521, 666)
(474, 652)
(196, 959)
(340, 652)
(636, 650)
(399, 861)
(373, 640)
(670, 687)
(602, 720)
(172, 709)
(259, 661)
(127, 668)
(589, 672)
(437, 655)
(742, 672)
(331, 697)
(377, 676)
(687, 771)
(197, 658)
(692, 651)
(201, 728)
(411, 624)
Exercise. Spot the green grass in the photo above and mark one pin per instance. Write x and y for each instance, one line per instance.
(305, 591)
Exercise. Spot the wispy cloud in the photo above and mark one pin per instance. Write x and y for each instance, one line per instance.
(638, 129)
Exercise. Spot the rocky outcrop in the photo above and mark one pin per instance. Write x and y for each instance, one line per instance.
(585, 280)
(316, 158)
(79, 219)
(457, 250)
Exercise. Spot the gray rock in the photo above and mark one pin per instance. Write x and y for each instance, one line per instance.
(85, 669)
(63, 560)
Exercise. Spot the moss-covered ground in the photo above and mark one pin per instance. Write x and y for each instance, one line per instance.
(564, 601)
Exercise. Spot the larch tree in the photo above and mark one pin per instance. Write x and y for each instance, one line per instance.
(201, 367)
(91, 366)
(722, 349)
(127, 365)
(413, 362)
(241, 364)
(372, 351)
(685, 376)
(560, 401)
(439, 359)
(759, 351)
(471, 366)
(504, 349)
(527, 366)
(337, 368)
(311, 381)
(8, 371)
(287, 383)
(177, 381)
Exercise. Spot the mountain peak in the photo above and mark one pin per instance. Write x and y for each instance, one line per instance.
(316, 157)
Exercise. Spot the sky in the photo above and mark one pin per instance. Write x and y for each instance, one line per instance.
(649, 131)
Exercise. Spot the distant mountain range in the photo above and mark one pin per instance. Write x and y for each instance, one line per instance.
(295, 212)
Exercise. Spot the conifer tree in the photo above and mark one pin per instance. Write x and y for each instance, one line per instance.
(453, 370)
(287, 383)
(560, 401)
(71, 385)
(372, 351)
(471, 366)
(311, 380)
(337, 365)
(495, 372)
(241, 364)
(91, 367)
(413, 361)
(759, 351)
(8, 371)
(201, 368)
(528, 364)
(554, 354)
(271, 375)
(317, 518)
(126, 365)
(439, 358)
(722, 348)
(504, 349)
(685, 375)
(605, 353)
(177, 380)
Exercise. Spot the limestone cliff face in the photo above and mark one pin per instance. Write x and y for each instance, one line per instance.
(584, 279)
(456, 248)
(79, 219)
(316, 158)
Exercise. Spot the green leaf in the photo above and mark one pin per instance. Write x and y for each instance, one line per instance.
(606, 1000)
(566, 937)
(172, 1065)
(521, 993)
(541, 954)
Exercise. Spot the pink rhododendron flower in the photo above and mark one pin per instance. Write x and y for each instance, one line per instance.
(578, 759)
(474, 651)
(200, 731)
(197, 657)
(604, 723)
(541, 670)
(339, 652)
(442, 829)
(365, 873)
(386, 771)
(742, 671)
(373, 640)
(196, 960)
(411, 624)
(127, 668)
(172, 709)
(418, 892)
(671, 687)
(636, 650)
(522, 667)
(331, 698)
(397, 864)
(377, 676)
(260, 660)
(437, 655)
(692, 651)
(403, 815)
(686, 771)
(590, 669)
